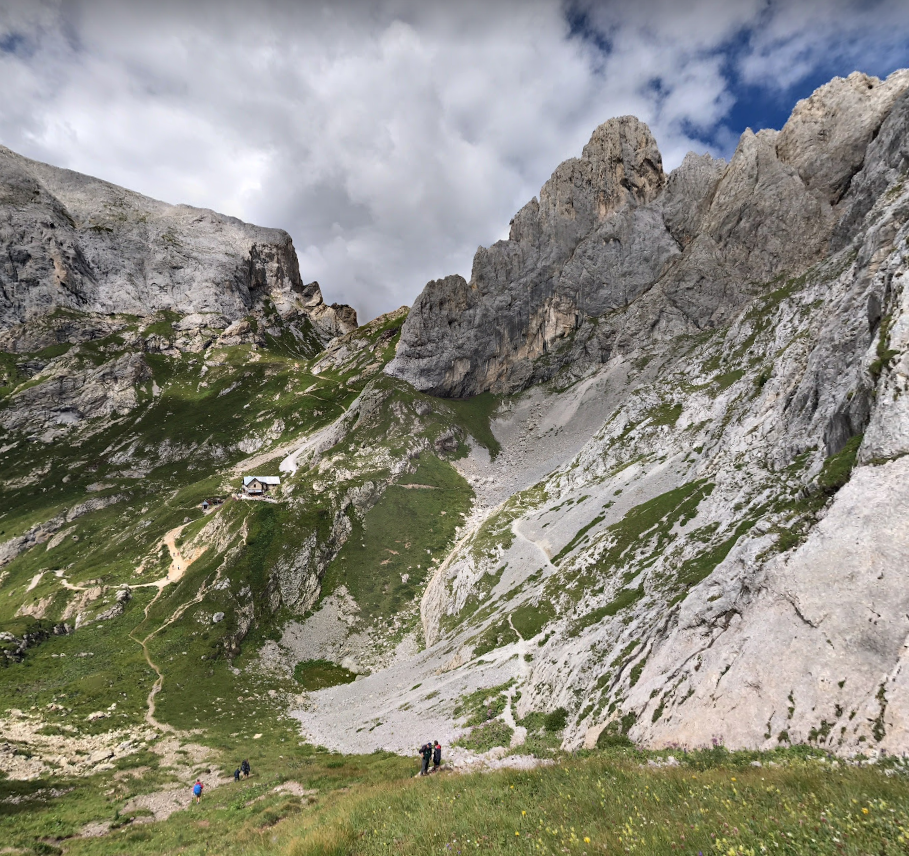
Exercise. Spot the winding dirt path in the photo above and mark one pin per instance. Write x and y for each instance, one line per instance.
(178, 566)
(159, 681)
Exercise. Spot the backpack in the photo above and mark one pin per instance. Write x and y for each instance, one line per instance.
(197, 789)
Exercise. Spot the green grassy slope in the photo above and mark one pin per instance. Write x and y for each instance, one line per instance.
(145, 474)
(400, 537)
(604, 801)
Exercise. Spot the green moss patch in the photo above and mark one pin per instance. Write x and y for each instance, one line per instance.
(483, 704)
(665, 414)
(577, 539)
(476, 414)
(529, 619)
(318, 674)
(701, 566)
(625, 598)
(497, 635)
(838, 468)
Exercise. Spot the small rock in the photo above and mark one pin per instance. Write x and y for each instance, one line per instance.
(218, 616)
(100, 755)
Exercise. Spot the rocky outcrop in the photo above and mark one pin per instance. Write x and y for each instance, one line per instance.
(589, 245)
(69, 241)
(70, 393)
(332, 320)
(682, 252)
(43, 531)
(122, 598)
(13, 648)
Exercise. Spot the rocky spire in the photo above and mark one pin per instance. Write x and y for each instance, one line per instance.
(609, 231)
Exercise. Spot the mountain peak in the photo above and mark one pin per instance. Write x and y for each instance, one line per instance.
(80, 243)
(610, 227)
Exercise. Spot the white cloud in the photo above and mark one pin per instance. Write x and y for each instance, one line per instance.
(792, 40)
(390, 139)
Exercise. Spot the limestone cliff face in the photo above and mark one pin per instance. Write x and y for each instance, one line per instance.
(611, 230)
(69, 241)
(723, 559)
(590, 244)
(82, 259)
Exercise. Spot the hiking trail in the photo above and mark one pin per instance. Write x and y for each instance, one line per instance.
(178, 566)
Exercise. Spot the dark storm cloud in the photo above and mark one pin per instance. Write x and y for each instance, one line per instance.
(390, 139)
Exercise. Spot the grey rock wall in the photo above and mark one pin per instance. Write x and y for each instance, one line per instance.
(69, 241)
(610, 230)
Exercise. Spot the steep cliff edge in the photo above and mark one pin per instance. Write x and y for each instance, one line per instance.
(611, 228)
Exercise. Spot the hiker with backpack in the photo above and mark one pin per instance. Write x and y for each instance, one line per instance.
(436, 756)
(237, 775)
(426, 752)
(197, 791)
(245, 768)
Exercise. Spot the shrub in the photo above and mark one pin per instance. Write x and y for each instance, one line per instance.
(556, 721)
(484, 737)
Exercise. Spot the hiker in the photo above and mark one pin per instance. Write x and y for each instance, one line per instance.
(245, 768)
(426, 752)
(237, 775)
(436, 756)
(197, 791)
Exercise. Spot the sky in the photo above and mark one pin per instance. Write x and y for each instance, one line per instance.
(392, 138)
